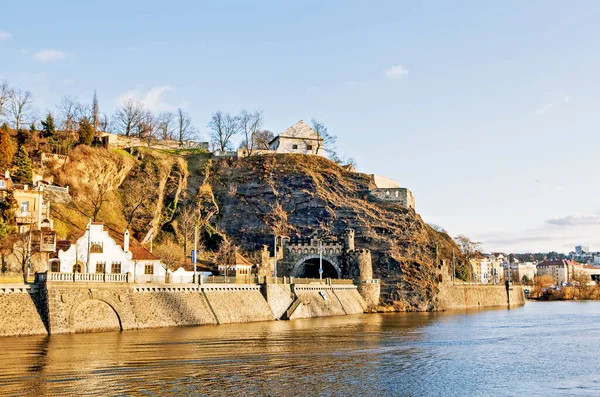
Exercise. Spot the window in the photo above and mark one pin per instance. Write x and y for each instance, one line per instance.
(77, 268)
(294, 146)
(96, 248)
(55, 267)
(2, 184)
(115, 267)
(308, 147)
(149, 269)
(25, 206)
(100, 267)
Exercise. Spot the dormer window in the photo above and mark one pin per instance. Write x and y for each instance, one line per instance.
(2, 184)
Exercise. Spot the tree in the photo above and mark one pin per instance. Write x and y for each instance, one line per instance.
(328, 140)
(138, 193)
(86, 132)
(469, 249)
(70, 112)
(249, 124)
(22, 167)
(20, 107)
(48, 127)
(128, 117)
(7, 150)
(185, 128)
(170, 255)
(95, 112)
(166, 126)
(226, 254)
(6, 93)
(147, 125)
(186, 223)
(262, 138)
(223, 127)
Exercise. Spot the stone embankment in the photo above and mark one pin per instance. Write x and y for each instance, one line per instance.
(461, 296)
(58, 308)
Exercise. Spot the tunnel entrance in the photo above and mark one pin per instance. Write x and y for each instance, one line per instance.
(310, 269)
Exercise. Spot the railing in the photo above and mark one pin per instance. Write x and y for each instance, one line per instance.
(82, 277)
(59, 189)
(248, 279)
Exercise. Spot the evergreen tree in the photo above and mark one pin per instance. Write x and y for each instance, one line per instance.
(32, 130)
(22, 169)
(49, 132)
(7, 150)
(86, 132)
(48, 127)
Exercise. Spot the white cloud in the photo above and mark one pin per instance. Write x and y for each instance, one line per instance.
(5, 35)
(152, 100)
(396, 72)
(49, 55)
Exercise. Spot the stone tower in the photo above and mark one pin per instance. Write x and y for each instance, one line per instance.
(349, 240)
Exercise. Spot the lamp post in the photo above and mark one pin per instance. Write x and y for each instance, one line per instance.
(320, 260)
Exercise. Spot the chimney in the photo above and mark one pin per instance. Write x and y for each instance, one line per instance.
(6, 174)
(126, 241)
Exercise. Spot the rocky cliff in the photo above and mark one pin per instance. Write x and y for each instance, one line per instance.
(238, 198)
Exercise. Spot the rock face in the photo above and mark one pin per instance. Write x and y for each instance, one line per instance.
(408, 255)
(247, 198)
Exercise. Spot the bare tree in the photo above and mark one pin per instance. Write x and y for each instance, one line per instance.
(262, 138)
(69, 111)
(147, 125)
(6, 93)
(249, 124)
(128, 117)
(103, 123)
(328, 140)
(224, 126)
(226, 254)
(170, 255)
(95, 112)
(186, 223)
(185, 128)
(20, 107)
(166, 126)
(138, 193)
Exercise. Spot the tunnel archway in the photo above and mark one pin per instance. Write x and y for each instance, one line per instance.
(309, 268)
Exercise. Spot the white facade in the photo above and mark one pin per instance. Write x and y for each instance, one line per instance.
(106, 256)
(384, 183)
(299, 138)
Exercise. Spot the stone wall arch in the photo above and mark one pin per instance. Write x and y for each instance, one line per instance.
(94, 315)
(297, 268)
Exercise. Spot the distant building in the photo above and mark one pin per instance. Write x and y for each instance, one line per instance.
(242, 267)
(560, 270)
(582, 249)
(299, 138)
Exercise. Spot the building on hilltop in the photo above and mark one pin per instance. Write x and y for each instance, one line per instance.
(299, 138)
(106, 256)
(387, 189)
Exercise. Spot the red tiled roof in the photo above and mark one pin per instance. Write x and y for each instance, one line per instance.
(140, 253)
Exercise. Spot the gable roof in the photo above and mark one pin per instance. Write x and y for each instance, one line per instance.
(300, 130)
(241, 260)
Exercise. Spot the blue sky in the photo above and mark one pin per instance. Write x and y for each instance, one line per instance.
(487, 111)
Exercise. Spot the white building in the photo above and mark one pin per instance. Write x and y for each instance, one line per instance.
(299, 138)
(106, 256)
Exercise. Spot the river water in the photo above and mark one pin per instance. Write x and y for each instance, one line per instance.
(550, 348)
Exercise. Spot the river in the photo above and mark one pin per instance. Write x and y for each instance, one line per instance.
(543, 348)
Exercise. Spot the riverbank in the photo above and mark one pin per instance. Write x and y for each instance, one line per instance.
(72, 307)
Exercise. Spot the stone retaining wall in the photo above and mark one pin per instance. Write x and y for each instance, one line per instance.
(237, 304)
(478, 296)
(59, 308)
(18, 311)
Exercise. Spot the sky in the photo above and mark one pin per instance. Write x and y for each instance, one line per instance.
(487, 111)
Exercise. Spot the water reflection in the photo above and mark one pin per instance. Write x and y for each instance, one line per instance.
(475, 353)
